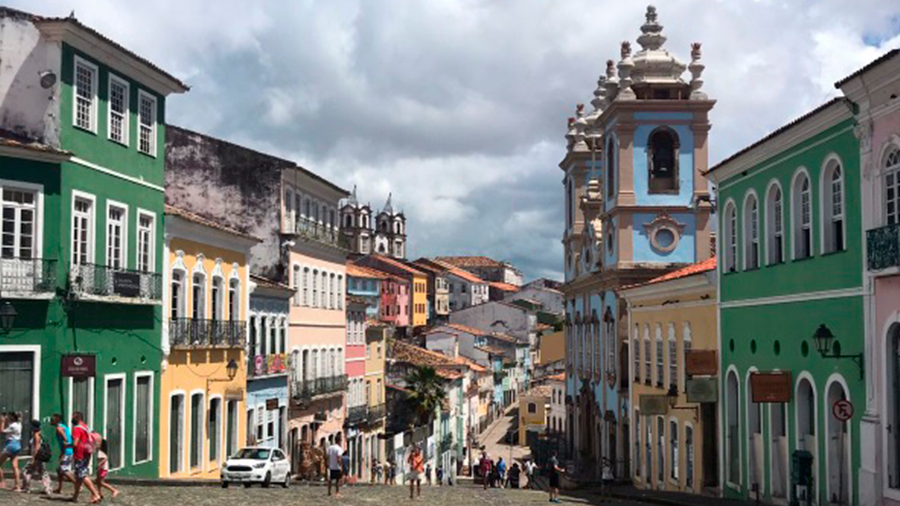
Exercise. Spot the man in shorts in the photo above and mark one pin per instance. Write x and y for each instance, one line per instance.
(416, 470)
(335, 469)
(82, 443)
(554, 470)
(64, 440)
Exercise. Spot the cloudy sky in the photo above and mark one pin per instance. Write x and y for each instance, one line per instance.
(459, 107)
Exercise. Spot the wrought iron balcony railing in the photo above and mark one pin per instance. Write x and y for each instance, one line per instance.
(314, 230)
(357, 414)
(883, 247)
(27, 277)
(377, 412)
(266, 365)
(194, 332)
(104, 281)
(307, 389)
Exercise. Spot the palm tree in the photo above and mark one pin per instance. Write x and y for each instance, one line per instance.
(426, 393)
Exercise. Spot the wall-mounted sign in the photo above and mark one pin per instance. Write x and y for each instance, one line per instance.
(272, 404)
(703, 390)
(654, 405)
(126, 284)
(771, 387)
(234, 394)
(842, 410)
(79, 366)
(701, 362)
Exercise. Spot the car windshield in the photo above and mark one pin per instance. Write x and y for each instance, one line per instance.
(252, 454)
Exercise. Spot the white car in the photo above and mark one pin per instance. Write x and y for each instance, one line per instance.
(257, 465)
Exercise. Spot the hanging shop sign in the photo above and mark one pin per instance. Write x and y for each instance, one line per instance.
(702, 390)
(79, 366)
(701, 362)
(771, 387)
(654, 405)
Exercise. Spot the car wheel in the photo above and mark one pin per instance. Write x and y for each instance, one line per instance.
(268, 480)
(224, 484)
(287, 480)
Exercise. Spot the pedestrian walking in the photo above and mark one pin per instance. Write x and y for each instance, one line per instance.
(12, 432)
(40, 455)
(335, 468)
(440, 476)
(529, 473)
(554, 471)
(376, 471)
(512, 480)
(345, 466)
(393, 472)
(83, 445)
(416, 468)
(484, 466)
(103, 470)
(64, 440)
(501, 472)
(428, 474)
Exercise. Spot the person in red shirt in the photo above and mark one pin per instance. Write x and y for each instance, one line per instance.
(83, 445)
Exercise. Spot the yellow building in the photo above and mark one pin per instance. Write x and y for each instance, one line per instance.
(204, 374)
(534, 407)
(672, 321)
(551, 348)
(377, 335)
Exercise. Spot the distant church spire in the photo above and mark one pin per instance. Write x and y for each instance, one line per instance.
(352, 200)
(388, 208)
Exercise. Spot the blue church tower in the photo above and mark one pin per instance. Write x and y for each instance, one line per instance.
(637, 206)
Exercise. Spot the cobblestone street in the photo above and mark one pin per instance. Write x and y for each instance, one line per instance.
(301, 494)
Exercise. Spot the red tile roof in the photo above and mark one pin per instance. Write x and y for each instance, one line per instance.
(493, 350)
(268, 283)
(470, 261)
(200, 220)
(404, 352)
(506, 287)
(460, 273)
(359, 271)
(504, 337)
(690, 270)
(399, 265)
(467, 329)
(474, 366)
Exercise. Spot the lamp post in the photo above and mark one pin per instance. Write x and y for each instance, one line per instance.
(7, 316)
(829, 348)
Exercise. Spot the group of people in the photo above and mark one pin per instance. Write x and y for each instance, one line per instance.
(77, 447)
(495, 474)
(338, 461)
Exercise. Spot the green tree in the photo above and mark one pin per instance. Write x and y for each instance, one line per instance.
(426, 393)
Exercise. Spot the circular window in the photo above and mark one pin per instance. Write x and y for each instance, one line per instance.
(665, 238)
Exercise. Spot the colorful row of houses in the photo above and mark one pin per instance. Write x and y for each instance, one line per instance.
(770, 370)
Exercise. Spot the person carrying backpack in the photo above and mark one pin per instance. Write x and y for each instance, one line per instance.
(66, 452)
(83, 445)
(40, 455)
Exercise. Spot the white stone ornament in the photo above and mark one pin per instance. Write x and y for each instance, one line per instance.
(580, 125)
(696, 68)
(626, 65)
(612, 81)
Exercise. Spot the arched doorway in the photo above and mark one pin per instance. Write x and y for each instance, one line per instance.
(754, 439)
(732, 437)
(805, 401)
(892, 406)
(778, 450)
(838, 447)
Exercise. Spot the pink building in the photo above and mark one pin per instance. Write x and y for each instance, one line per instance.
(395, 301)
(874, 91)
(357, 401)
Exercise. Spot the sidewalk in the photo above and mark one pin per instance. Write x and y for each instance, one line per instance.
(628, 492)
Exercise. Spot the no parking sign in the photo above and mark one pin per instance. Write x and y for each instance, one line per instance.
(842, 410)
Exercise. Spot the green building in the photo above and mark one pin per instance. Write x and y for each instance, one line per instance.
(81, 187)
(791, 257)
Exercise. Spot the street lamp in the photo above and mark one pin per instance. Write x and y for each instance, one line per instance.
(7, 316)
(232, 369)
(823, 339)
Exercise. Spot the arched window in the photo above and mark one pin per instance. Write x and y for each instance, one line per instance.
(832, 207)
(673, 357)
(348, 221)
(775, 225)
(660, 368)
(305, 282)
(686, 344)
(662, 161)
(751, 232)
(754, 437)
(636, 353)
(648, 363)
(315, 288)
(340, 292)
(218, 298)
(611, 168)
(891, 189)
(570, 203)
(234, 299)
(177, 301)
(806, 423)
(730, 246)
(801, 204)
(296, 284)
(198, 296)
(732, 436)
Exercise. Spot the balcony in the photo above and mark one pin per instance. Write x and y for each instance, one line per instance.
(311, 229)
(193, 332)
(107, 284)
(27, 278)
(259, 366)
(377, 412)
(357, 414)
(306, 390)
(883, 247)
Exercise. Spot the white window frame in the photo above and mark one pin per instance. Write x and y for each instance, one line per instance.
(141, 213)
(152, 418)
(181, 309)
(220, 431)
(106, 379)
(729, 225)
(659, 371)
(296, 271)
(126, 117)
(143, 95)
(674, 451)
(217, 297)
(751, 230)
(203, 309)
(687, 343)
(184, 434)
(771, 223)
(124, 246)
(894, 172)
(234, 284)
(672, 357)
(797, 224)
(89, 417)
(826, 207)
(92, 226)
(95, 79)
(37, 245)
